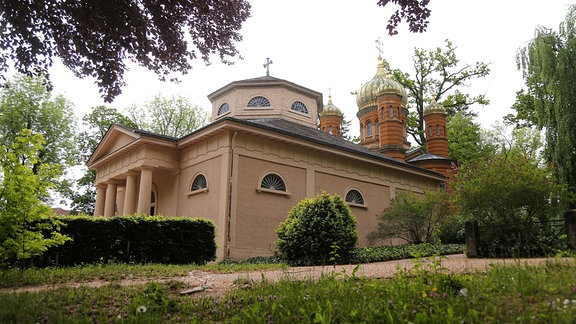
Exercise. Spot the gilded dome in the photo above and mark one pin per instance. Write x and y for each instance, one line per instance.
(434, 108)
(330, 110)
(380, 84)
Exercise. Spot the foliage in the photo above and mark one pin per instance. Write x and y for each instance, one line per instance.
(136, 239)
(413, 218)
(345, 128)
(415, 12)
(438, 73)
(96, 124)
(174, 116)
(424, 294)
(547, 63)
(467, 141)
(404, 251)
(25, 228)
(26, 104)
(156, 35)
(318, 230)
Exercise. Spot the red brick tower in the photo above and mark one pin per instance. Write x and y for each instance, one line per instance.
(331, 119)
(435, 126)
(382, 113)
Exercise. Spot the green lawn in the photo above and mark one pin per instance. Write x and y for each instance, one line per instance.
(520, 293)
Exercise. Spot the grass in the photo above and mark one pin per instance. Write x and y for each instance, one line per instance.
(519, 293)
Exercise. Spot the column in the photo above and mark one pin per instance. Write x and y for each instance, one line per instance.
(145, 191)
(130, 195)
(100, 199)
(110, 205)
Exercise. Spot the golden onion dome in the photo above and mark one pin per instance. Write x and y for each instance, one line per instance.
(330, 109)
(380, 84)
(434, 108)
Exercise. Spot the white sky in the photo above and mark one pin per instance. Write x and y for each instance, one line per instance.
(322, 44)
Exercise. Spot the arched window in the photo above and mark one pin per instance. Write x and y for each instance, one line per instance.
(391, 112)
(259, 101)
(273, 182)
(437, 129)
(224, 108)
(199, 183)
(355, 197)
(369, 128)
(330, 130)
(299, 107)
(430, 130)
(153, 200)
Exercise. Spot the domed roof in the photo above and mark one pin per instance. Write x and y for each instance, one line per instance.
(330, 110)
(380, 84)
(434, 108)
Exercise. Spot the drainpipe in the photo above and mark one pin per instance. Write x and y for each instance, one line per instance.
(229, 224)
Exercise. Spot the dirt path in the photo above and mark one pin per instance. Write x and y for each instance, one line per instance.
(219, 283)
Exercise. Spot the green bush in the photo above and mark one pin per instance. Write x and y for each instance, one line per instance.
(317, 231)
(132, 239)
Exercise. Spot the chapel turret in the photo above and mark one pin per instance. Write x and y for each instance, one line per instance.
(331, 119)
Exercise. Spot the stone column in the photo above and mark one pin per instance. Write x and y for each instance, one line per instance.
(100, 200)
(110, 205)
(130, 194)
(145, 191)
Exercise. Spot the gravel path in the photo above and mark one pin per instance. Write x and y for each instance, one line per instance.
(218, 283)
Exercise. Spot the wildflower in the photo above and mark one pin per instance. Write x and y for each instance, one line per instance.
(434, 289)
(463, 292)
(424, 295)
(141, 309)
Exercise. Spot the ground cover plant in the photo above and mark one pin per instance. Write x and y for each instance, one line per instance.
(427, 293)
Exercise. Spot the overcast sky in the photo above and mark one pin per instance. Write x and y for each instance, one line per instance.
(330, 44)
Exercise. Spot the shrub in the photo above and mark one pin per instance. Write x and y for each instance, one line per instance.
(318, 230)
(414, 218)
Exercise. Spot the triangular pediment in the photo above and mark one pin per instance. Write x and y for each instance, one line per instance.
(116, 138)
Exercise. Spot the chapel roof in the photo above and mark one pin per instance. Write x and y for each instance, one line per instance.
(380, 84)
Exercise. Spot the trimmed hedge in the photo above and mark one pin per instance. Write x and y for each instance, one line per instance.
(132, 239)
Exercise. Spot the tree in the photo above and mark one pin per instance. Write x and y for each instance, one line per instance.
(174, 116)
(26, 104)
(415, 12)
(318, 230)
(467, 141)
(94, 38)
(547, 64)
(413, 218)
(438, 74)
(22, 234)
(345, 128)
(97, 122)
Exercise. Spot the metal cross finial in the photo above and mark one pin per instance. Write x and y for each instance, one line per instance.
(267, 66)
(379, 46)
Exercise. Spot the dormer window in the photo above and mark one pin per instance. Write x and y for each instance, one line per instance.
(299, 106)
(224, 108)
(258, 101)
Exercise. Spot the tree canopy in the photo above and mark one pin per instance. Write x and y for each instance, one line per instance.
(548, 66)
(95, 38)
(26, 104)
(438, 75)
(415, 12)
(175, 116)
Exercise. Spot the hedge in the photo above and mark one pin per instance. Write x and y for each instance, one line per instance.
(132, 239)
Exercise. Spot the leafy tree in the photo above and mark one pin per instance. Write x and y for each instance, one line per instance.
(318, 230)
(96, 124)
(26, 104)
(438, 73)
(21, 193)
(414, 218)
(345, 128)
(415, 12)
(174, 116)
(547, 63)
(467, 141)
(94, 38)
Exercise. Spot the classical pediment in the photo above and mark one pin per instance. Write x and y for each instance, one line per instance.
(116, 138)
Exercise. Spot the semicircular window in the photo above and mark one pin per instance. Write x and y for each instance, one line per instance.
(224, 108)
(199, 182)
(299, 106)
(273, 182)
(354, 196)
(259, 101)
